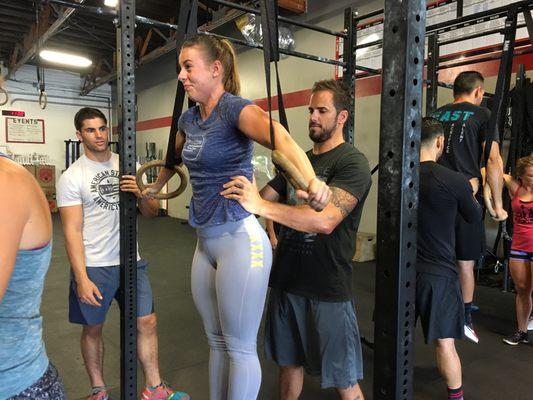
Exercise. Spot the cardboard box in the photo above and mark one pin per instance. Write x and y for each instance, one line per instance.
(31, 168)
(50, 193)
(45, 175)
(365, 247)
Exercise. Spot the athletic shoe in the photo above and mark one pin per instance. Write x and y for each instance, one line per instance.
(516, 338)
(163, 392)
(530, 324)
(470, 333)
(101, 395)
(474, 308)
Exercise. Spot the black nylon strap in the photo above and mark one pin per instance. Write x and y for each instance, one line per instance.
(269, 24)
(187, 26)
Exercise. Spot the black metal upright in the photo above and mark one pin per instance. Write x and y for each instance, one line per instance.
(128, 206)
(432, 86)
(401, 111)
(348, 73)
(501, 92)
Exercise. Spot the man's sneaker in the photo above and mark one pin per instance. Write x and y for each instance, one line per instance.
(163, 392)
(470, 333)
(100, 395)
(516, 338)
(530, 324)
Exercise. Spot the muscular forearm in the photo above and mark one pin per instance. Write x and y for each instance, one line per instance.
(163, 177)
(76, 254)
(286, 145)
(495, 179)
(148, 207)
(301, 218)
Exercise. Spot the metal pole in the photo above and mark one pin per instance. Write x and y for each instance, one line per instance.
(67, 153)
(348, 72)
(459, 12)
(432, 74)
(401, 111)
(128, 204)
(293, 53)
(113, 13)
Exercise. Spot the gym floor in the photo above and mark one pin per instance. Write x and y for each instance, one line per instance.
(491, 369)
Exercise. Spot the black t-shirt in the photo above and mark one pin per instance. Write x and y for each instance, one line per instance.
(465, 129)
(443, 193)
(318, 266)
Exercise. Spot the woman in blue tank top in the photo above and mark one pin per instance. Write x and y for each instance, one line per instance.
(231, 265)
(25, 250)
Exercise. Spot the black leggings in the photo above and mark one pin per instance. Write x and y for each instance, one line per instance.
(48, 387)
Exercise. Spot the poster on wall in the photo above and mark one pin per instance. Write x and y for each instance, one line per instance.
(24, 130)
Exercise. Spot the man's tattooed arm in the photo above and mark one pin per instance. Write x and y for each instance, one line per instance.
(343, 200)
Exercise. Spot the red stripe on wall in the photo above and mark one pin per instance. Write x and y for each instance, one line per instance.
(369, 86)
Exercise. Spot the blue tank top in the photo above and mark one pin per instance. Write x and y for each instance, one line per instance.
(23, 357)
(214, 151)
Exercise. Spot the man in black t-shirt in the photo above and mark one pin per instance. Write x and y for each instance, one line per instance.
(466, 130)
(443, 195)
(311, 324)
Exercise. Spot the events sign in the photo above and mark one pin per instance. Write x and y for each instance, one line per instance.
(24, 130)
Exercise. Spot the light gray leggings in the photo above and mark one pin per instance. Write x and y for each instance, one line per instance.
(229, 281)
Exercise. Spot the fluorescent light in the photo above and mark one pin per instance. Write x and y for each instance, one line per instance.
(65, 58)
(111, 3)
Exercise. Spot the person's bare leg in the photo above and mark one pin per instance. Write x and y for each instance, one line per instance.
(467, 279)
(92, 350)
(522, 278)
(147, 348)
(291, 382)
(448, 362)
(352, 393)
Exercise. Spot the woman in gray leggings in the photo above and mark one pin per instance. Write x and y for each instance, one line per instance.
(233, 256)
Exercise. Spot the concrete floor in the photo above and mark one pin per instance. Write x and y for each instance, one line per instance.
(491, 369)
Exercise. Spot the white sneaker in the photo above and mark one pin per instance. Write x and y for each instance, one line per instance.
(471, 334)
(530, 324)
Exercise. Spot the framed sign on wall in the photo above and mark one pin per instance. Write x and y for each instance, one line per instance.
(24, 130)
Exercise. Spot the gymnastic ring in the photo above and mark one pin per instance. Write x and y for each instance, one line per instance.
(43, 100)
(161, 163)
(289, 171)
(4, 102)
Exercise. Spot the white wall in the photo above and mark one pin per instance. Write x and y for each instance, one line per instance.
(63, 103)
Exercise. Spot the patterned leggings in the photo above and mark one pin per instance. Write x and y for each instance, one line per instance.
(48, 387)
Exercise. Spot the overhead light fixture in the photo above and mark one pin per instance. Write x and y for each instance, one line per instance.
(111, 3)
(65, 58)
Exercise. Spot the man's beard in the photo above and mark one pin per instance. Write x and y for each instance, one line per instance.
(319, 136)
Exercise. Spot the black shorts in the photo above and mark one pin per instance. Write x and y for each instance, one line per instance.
(439, 304)
(323, 337)
(469, 239)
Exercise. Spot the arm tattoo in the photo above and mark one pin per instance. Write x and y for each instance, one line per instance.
(343, 200)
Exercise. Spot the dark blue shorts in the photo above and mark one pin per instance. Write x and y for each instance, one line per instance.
(323, 337)
(107, 279)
